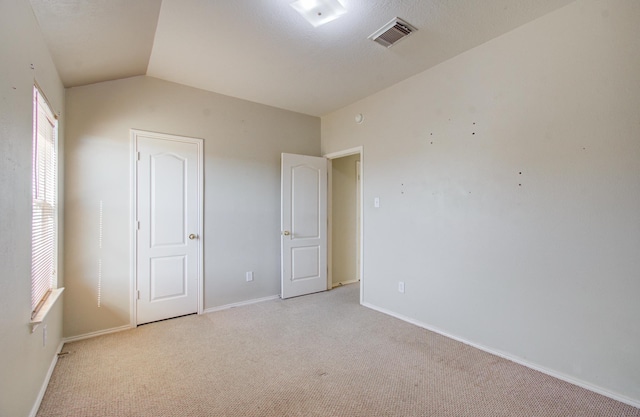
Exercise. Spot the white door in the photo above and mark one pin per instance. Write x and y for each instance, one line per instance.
(168, 262)
(304, 225)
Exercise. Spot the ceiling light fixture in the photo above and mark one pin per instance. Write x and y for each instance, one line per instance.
(319, 12)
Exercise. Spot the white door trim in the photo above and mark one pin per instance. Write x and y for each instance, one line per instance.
(133, 240)
(330, 156)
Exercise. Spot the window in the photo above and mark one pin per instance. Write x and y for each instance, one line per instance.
(43, 227)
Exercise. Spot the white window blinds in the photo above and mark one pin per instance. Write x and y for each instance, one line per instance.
(43, 228)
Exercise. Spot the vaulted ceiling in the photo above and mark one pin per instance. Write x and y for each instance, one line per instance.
(263, 50)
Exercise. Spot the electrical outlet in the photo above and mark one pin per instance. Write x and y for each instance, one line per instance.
(401, 286)
(249, 276)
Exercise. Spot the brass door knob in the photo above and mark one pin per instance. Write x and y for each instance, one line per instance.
(192, 236)
(286, 233)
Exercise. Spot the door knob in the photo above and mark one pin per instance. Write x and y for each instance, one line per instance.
(286, 233)
(192, 236)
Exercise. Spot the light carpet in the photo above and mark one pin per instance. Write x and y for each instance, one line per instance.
(318, 355)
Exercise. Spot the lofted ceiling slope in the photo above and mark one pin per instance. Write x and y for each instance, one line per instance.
(262, 50)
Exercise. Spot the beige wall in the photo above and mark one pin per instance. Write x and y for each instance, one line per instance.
(24, 58)
(509, 186)
(343, 223)
(242, 146)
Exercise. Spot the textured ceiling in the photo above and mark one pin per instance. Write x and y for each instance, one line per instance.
(262, 50)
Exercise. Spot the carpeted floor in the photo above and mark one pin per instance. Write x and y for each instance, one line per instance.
(318, 355)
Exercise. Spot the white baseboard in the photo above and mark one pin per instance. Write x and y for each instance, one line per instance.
(95, 334)
(520, 361)
(340, 284)
(45, 383)
(240, 304)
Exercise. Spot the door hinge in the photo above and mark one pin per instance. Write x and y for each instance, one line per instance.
(138, 156)
(138, 225)
(138, 294)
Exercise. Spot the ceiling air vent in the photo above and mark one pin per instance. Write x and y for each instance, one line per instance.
(392, 32)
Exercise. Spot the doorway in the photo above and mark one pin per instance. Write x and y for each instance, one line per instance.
(167, 226)
(345, 219)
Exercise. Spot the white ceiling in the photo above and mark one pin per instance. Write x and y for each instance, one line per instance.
(263, 50)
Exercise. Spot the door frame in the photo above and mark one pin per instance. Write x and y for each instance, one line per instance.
(133, 220)
(358, 150)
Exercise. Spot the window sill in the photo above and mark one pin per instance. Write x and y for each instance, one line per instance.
(45, 309)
